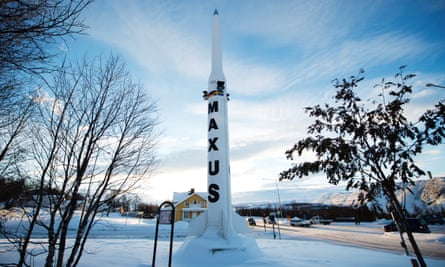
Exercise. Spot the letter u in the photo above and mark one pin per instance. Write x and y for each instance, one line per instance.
(214, 171)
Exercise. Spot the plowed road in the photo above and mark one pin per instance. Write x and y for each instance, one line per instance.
(367, 235)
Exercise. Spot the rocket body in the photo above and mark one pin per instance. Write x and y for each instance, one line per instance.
(219, 209)
(219, 232)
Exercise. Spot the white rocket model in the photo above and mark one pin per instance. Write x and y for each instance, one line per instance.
(219, 210)
(219, 219)
(219, 232)
(219, 207)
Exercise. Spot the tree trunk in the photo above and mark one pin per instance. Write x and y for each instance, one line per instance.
(52, 242)
(23, 247)
(403, 221)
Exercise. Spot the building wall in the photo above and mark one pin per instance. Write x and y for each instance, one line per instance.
(192, 202)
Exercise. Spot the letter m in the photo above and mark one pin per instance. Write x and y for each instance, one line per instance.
(213, 107)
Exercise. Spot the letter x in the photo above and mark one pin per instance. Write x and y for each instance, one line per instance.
(212, 144)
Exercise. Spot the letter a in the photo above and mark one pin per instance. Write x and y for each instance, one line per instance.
(212, 124)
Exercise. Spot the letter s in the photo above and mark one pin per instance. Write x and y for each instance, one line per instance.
(213, 193)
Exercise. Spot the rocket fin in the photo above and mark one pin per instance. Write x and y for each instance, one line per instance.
(197, 226)
(239, 223)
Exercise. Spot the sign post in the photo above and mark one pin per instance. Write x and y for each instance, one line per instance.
(165, 217)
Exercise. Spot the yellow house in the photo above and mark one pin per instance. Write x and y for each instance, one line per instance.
(189, 205)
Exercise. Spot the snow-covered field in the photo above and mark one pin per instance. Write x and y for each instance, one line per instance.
(122, 241)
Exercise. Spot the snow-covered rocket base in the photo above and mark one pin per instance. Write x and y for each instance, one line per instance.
(210, 249)
(206, 245)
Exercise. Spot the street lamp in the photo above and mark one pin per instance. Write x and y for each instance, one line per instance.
(434, 85)
(278, 194)
(279, 211)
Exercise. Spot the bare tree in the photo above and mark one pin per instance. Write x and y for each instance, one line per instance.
(94, 140)
(32, 31)
(30, 34)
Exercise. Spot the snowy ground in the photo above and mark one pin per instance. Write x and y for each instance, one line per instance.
(121, 241)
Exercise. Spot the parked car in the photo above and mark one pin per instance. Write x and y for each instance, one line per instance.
(432, 219)
(251, 221)
(318, 220)
(415, 225)
(296, 221)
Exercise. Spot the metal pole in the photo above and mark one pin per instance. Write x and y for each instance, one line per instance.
(278, 227)
(172, 221)
(155, 241)
(279, 210)
(279, 199)
(273, 230)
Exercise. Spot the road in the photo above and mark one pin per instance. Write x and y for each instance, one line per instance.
(368, 235)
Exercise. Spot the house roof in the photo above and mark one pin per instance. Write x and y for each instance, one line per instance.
(179, 197)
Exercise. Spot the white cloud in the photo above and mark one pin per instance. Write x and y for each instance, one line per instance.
(155, 40)
(308, 24)
(348, 57)
(253, 78)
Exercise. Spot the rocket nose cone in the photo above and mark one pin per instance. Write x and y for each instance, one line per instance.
(217, 68)
(215, 13)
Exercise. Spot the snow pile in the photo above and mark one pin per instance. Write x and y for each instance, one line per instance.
(209, 249)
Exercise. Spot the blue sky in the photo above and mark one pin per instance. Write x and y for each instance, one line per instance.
(278, 57)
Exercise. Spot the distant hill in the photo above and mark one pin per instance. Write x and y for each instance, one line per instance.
(427, 196)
